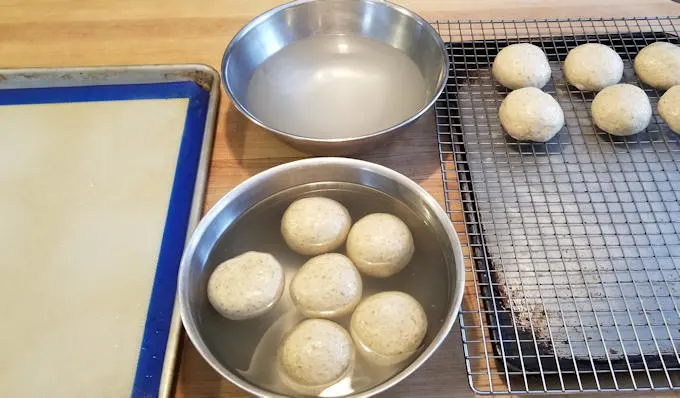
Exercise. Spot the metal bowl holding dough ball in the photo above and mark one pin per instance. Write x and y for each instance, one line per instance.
(246, 286)
(248, 219)
(388, 327)
(315, 225)
(529, 114)
(669, 108)
(326, 286)
(380, 244)
(621, 109)
(521, 65)
(316, 354)
(658, 65)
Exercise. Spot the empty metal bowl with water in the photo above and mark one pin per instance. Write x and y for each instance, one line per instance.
(335, 77)
(249, 217)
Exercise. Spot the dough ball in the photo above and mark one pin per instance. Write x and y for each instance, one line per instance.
(246, 286)
(529, 114)
(315, 225)
(521, 65)
(326, 286)
(669, 108)
(592, 67)
(380, 245)
(658, 65)
(316, 354)
(388, 327)
(621, 109)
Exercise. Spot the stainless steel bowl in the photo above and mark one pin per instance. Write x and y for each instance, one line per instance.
(248, 218)
(311, 81)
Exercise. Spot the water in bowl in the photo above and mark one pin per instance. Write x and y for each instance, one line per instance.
(336, 87)
(249, 347)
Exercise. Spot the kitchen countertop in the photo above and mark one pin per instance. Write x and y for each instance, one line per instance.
(85, 33)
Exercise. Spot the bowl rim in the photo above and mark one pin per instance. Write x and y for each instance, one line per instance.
(439, 214)
(292, 136)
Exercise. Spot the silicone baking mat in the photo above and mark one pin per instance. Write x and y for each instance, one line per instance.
(101, 182)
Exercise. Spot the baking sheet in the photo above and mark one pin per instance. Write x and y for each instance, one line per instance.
(102, 173)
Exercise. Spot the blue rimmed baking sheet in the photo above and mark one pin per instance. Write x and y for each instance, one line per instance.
(111, 159)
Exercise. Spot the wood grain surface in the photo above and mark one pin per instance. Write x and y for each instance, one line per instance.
(103, 32)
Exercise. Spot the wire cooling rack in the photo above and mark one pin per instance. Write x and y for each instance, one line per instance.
(573, 246)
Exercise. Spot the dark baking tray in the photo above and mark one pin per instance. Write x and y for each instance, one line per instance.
(480, 149)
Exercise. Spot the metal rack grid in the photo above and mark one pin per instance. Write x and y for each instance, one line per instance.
(573, 246)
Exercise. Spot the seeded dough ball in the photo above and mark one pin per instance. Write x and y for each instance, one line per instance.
(388, 327)
(621, 109)
(380, 245)
(326, 286)
(669, 108)
(592, 67)
(316, 354)
(521, 65)
(315, 225)
(529, 114)
(246, 286)
(658, 65)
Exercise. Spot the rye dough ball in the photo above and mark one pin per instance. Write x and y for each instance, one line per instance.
(380, 245)
(658, 65)
(316, 354)
(592, 67)
(529, 114)
(388, 327)
(326, 286)
(521, 65)
(621, 109)
(669, 108)
(246, 286)
(315, 225)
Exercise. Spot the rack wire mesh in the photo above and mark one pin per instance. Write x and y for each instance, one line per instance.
(572, 246)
